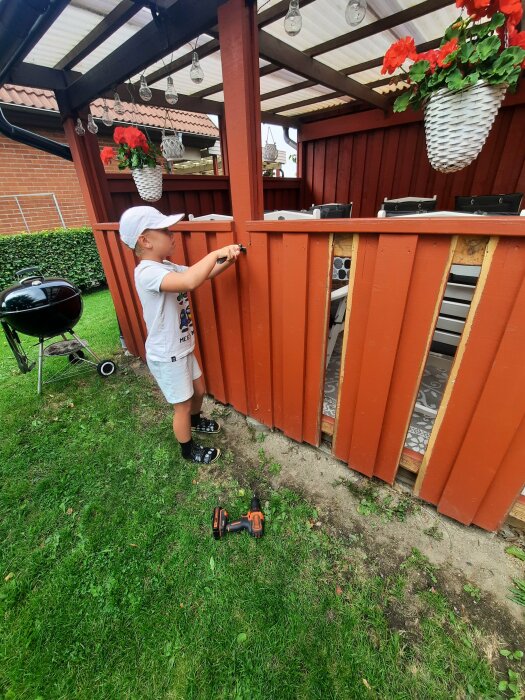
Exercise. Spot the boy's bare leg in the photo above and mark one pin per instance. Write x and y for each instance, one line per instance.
(182, 420)
(198, 395)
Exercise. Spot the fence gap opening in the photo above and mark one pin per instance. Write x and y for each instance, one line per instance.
(453, 312)
(334, 348)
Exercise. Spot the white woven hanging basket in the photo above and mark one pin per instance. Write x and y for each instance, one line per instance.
(457, 124)
(149, 182)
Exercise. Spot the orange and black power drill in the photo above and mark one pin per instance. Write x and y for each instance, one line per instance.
(252, 522)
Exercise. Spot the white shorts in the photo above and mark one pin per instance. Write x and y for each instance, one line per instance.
(175, 379)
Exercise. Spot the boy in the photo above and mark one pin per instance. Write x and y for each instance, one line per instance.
(162, 287)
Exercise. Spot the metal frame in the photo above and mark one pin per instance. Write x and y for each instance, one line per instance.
(71, 370)
(36, 194)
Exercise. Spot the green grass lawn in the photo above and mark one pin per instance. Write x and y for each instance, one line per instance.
(112, 587)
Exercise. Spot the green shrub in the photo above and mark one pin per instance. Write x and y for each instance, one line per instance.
(70, 253)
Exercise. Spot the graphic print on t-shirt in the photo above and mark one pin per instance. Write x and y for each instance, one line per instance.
(185, 323)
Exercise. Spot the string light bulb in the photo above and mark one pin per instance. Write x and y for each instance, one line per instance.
(79, 128)
(170, 94)
(293, 21)
(196, 72)
(144, 91)
(92, 127)
(118, 107)
(355, 12)
(106, 117)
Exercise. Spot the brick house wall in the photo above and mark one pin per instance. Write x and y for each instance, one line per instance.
(26, 170)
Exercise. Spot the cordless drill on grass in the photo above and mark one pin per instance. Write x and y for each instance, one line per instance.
(252, 522)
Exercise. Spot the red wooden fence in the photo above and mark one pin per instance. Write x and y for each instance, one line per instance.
(363, 158)
(200, 194)
(262, 331)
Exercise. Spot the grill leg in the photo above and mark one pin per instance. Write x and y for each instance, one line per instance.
(40, 364)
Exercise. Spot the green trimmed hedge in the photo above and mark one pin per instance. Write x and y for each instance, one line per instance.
(70, 253)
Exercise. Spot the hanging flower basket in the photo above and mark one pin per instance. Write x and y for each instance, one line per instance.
(137, 152)
(461, 84)
(457, 124)
(149, 182)
(270, 151)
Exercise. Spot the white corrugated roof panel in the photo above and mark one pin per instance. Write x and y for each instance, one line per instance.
(336, 102)
(115, 41)
(67, 31)
(296, 96)
(279, 79)
(211, 66)
(322, 20)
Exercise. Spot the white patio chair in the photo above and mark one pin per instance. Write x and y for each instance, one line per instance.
(407, 205)
(210, 217)
(284, 214)
(338, 295)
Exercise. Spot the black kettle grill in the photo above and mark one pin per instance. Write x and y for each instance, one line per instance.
(46, 308)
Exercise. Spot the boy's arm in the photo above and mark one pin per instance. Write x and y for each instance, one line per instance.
(195, 275)
(219, 269)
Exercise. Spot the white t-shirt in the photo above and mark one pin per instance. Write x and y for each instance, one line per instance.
(167, 314)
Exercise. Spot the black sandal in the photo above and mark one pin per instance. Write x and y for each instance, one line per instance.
(205, 425)
(203, 455)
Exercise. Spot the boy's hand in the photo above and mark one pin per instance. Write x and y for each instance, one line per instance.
(229, 252)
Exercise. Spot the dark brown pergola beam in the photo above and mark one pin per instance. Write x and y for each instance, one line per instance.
(124, 11)
(287, 57)
(380, 25)
(190, 103)
(266, 17)
(181, 23)
(32, 75)
(21, 28)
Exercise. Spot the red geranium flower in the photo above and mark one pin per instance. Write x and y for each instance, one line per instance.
(477, 8)
(513, 9)
(430, 56)
(517, 39)
(119, 135)
(398, 53)
(107, 154)
(445, 51)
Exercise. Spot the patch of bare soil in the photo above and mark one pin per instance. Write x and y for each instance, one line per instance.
(464, 556)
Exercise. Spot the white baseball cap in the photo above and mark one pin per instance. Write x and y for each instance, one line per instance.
(136, 220)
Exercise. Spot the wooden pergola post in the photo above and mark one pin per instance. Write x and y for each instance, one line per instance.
(238, 34)
(239, 42)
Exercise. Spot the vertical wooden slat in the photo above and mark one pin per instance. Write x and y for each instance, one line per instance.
(429, 277)
(205, 321)
(501, 276)
(391, 279)
(506, 486)
(491, 432)
(128, 292)
(319, 280)
(228, 314)
(123, 309)
(295, 264)
(278, 315)
(257, 281)
(364, 252)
